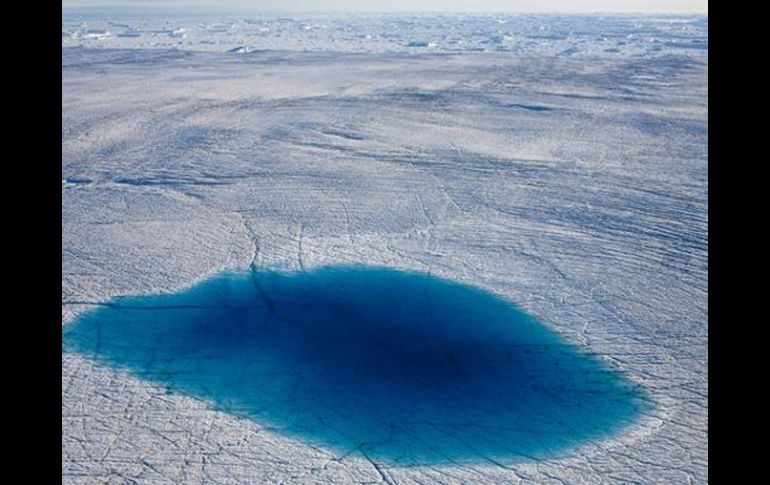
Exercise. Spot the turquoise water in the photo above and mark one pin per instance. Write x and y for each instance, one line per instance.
(405, 368)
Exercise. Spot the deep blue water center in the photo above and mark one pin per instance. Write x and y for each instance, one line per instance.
(405, 368)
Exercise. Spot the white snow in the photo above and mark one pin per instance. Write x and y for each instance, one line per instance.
(582, 35)
(574, 185)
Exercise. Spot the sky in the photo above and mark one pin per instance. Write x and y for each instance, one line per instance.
(411, 5)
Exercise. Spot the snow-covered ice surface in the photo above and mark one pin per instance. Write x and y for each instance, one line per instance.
(564, 35)
(558, 162)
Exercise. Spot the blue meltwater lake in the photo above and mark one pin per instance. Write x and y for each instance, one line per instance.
(404, 368)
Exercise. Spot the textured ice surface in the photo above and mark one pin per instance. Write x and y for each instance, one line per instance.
(564, 35)
(406, 368)
(572, 183)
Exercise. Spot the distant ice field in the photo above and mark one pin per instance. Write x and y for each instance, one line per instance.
(609, 35)
(543, 167)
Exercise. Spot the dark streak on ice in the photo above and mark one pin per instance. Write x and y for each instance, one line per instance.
(530, 107)
(403, 368)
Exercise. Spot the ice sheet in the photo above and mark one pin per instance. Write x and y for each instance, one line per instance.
(560, 176)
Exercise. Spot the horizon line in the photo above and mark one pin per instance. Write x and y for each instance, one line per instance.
(380, 12)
